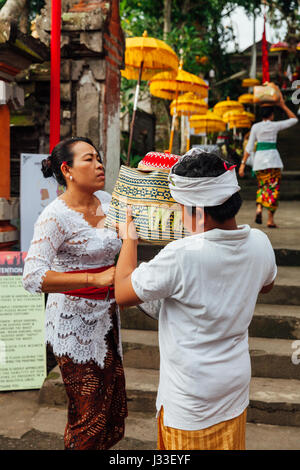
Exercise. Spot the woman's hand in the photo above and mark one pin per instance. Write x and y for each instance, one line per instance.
(242, 170)
(104, 279)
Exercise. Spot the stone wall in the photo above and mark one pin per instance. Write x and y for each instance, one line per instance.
(92, 51)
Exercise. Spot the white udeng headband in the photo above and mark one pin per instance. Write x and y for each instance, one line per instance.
(203, 192)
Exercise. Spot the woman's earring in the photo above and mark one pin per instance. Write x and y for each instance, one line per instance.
(71, 177)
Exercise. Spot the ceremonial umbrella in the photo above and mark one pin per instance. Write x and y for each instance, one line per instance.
(251, 116)
(279, 46)
(246, 98)
(237, 119)
(227, 105)
(250, 82)
(233, 115)
(187, 105)
(168, 85)
(209, 122)
(145, 57)
(242, 123)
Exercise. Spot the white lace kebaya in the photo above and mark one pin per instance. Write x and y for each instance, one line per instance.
(64, 241)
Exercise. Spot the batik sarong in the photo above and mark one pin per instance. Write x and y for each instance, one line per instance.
(268, 188)
(227, 435)
(97, 405)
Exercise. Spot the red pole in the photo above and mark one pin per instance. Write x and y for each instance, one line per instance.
(55, 74)
(265, 59)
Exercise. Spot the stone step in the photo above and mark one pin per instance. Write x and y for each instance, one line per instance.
(272, 401)
(286, 290)
(276, 321)
(269, 321)
(269, 357)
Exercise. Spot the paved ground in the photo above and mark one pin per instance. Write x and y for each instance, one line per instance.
(24, 425)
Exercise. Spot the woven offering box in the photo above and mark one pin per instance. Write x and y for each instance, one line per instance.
(156, 215)
(266, 94)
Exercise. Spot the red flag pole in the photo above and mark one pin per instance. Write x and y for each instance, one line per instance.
(55, 73)
(265, 60)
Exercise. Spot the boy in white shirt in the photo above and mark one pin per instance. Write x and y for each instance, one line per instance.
(208, 285)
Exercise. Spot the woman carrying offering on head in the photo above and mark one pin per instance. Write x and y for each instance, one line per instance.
(267, 162)
(71, 257)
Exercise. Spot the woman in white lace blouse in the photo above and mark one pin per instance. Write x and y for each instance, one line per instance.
(72, 257)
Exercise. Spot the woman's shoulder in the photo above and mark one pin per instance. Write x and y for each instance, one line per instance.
(54, 210)
(103, 196)
(105, 199)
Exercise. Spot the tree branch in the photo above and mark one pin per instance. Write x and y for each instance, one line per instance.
(12, 9)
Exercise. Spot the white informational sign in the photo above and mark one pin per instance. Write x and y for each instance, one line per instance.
(22, 330)
(35, 194)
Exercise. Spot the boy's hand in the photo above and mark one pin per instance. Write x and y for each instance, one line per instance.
(127, 229)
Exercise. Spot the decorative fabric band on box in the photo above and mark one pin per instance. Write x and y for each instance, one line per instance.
(96, 293)
(266, 145)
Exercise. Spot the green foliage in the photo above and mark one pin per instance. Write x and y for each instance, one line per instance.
(197, 29)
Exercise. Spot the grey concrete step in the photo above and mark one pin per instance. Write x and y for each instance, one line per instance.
(276, 321)
(272, 401)
(269, 321)
(269, 357)
(286, 290)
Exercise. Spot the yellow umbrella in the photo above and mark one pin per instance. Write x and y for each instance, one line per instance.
(147, 56)
(168, 85)
(242, 123)
(246, 98)
(236, 115)
(233, 115)
(251, 116)
(227, 105)
(209, 122)
(187, 105)
(250, 82)
(144, 57)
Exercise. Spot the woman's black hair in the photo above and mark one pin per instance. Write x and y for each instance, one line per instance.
(266, 111)
(202, 164)
(62, 152)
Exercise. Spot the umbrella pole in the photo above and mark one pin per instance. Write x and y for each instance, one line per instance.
(188, 142)
(134, 113)
(173, 124)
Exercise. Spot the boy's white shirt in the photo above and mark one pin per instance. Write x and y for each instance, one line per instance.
(208, 284)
